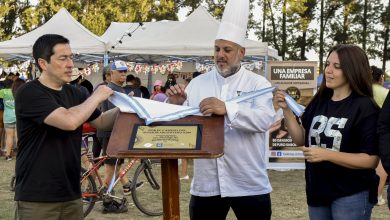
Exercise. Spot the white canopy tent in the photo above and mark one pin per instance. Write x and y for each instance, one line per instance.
(193, 37)
(153, 42)
(82, 40)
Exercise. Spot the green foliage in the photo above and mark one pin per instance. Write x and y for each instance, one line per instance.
(292, 27)
(8, 16)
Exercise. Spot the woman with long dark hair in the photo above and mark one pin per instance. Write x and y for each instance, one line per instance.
(338, 131)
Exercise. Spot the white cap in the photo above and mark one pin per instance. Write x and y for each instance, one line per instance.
(119, 65)
(234, 22)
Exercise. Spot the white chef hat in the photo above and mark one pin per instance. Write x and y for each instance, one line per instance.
(234, 22)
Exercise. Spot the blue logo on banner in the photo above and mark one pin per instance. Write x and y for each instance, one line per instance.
(279, 154)
(159, 145)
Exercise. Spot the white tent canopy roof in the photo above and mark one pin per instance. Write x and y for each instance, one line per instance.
(147, 30)
(154, 42)
(81, 39)
(193, 37)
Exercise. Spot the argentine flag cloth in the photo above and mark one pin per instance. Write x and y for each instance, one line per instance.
(153, 111)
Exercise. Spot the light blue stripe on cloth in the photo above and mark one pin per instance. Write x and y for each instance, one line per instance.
(251, 95)
(294, 106)
(143, 113)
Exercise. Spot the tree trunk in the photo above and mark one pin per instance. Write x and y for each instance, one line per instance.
(264, 19)
(385, 46)
(276, 45)
(322, 27)
(303, 46)
(284, 34)
(364, 24)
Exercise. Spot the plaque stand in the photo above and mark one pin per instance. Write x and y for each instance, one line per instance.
(211, 147)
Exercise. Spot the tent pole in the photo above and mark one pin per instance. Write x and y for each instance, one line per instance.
(150, 82)
(105, 59)
(265, 66)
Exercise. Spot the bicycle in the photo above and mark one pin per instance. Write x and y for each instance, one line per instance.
(148, 198)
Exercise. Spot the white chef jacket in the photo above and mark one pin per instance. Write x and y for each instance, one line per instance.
(241, 171)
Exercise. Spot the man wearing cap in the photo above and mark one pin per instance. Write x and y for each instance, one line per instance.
(118, 77)
(238, 179)
(49, 114)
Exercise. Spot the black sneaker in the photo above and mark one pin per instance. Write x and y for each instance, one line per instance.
(115, 207)
(129, 186)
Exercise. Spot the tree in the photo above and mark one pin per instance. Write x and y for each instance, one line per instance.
(327, 11)
(192, 4)
(300, 15)
(366, 27)
(385, 18)
(8, 16)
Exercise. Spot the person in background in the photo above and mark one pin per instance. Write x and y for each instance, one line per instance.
(238, 180)
(49, 115)
(9, 117)
(184, 162)
(158, 92)
(118, 77)
(144, 90)
(2, 78)
(15, 87)
(76, 82)
(131, 88)
(11, 76)
(106, 75)
(171, 81)
(97, 146)
(338, 132)
(380, 94)
(85, 82)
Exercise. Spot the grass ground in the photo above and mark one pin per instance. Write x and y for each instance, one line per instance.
(288, 198)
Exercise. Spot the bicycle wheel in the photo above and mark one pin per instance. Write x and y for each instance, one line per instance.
(148, 198)
(88, 193)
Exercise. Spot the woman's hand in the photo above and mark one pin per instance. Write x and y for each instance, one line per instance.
(279, 99)
(315, 154)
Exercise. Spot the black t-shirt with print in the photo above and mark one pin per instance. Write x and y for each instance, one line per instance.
(48, 161)
(348, 126)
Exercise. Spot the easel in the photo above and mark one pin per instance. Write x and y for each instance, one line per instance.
(212, 137)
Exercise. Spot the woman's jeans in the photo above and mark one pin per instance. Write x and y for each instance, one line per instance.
(355, 207)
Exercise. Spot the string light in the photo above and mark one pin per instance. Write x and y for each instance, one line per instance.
(128, 33)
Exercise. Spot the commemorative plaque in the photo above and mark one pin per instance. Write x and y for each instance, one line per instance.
(178, 137)
(189, 137)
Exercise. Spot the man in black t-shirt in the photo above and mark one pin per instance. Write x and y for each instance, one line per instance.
(49, 114)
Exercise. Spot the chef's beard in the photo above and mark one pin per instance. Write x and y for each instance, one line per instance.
(229, 71)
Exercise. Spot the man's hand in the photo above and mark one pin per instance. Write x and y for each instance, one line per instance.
(176, 94)
(212, 105)
(102, 93)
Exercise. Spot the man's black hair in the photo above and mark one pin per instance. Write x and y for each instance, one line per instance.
(195, 74)
(43, 47)
(130, 78)
(376, 74)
